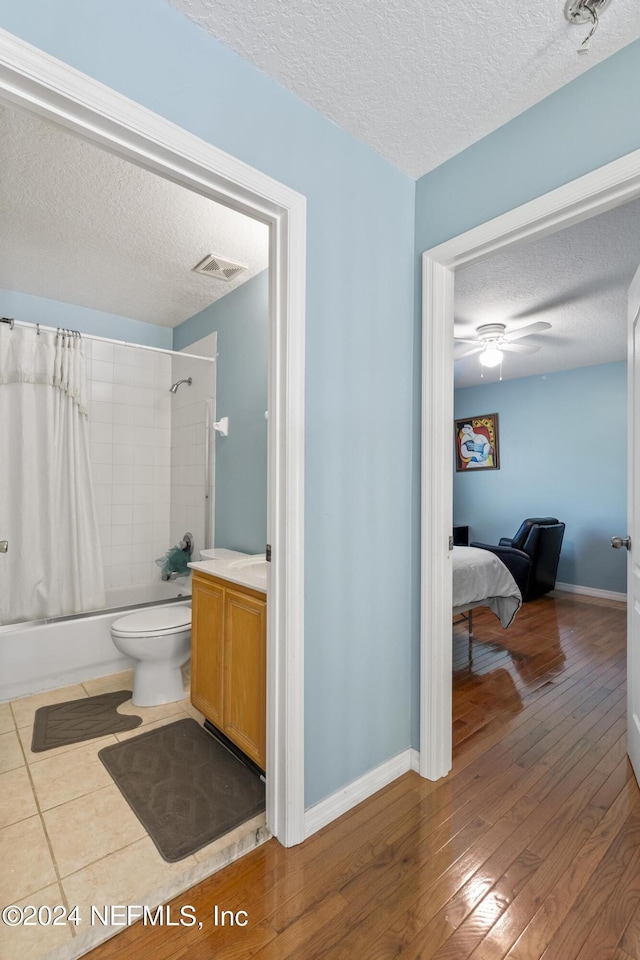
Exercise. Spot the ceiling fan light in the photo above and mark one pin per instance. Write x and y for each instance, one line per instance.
(491, 356)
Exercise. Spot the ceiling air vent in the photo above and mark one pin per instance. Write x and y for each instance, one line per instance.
(219, 269)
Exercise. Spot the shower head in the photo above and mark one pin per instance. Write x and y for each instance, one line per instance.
(174, 387)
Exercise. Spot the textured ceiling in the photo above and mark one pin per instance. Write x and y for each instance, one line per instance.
(82, 226)
(418, 81)
(576, 280)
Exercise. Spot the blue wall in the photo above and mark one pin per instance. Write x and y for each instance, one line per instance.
(241, 321)
(53, 313)
(361, 592)
(563, 453)
(587, 123)
(363, 330)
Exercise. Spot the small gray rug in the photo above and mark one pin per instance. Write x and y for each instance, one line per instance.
(73, 721)
(184, 787)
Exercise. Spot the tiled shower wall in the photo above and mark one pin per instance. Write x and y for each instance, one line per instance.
(188, 424)
(130, 451)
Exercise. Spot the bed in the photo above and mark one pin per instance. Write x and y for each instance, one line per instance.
(480, 579)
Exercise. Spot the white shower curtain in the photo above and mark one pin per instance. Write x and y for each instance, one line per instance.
(47, 510)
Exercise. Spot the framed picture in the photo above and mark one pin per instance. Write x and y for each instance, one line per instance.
(476, 440)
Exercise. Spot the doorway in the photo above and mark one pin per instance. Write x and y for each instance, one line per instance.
(33, 81)
(611, 185)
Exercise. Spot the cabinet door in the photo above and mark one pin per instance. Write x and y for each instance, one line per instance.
(245, 674)
(207, 650)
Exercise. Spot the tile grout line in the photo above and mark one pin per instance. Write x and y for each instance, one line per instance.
(181, 713)
(44, 828)
(40, 813)
(88, 793)
(56, 806)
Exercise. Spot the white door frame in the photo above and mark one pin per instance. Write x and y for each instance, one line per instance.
(591, 194)
(633, 507)
(33, 80)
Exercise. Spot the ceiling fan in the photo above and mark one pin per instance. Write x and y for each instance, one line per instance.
(492, 340)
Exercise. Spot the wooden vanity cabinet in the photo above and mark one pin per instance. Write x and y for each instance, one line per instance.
(229, 661)
(207, 648)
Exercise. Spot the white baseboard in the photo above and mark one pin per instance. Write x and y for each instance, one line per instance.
(365, 786)
(591, 591)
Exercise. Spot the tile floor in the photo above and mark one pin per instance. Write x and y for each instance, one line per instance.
(67, 836)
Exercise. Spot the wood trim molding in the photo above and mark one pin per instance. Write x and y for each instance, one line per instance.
(285, 523)
(603, 189)
(346, 798)
(595, 192)
(33, 80)
(200, 576)
(437, 522)
(591, 592)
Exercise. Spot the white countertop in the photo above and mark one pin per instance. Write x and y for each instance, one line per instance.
(240, 568)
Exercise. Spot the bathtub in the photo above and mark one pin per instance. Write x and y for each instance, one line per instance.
(46, 654)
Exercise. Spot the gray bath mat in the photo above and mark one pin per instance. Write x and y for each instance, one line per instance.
(183, 786)
(73, 721)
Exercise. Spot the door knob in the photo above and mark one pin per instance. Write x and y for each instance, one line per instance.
(617, 542)
(4, 546)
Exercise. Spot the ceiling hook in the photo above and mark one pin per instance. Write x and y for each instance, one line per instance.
(578, 12)
(584, 46)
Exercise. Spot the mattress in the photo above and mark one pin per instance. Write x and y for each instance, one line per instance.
(480, 578)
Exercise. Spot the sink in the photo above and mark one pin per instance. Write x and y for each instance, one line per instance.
(243, 566)
(255, 561)
(217, 553)
(255, 567)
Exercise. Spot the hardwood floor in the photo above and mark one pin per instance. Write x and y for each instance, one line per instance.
(530, 847)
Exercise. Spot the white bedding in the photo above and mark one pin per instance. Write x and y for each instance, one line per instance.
(481, 579)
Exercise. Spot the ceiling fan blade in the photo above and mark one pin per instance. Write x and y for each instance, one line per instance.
(519, 348)
(526, 331)
(465, 351)
(465, 340)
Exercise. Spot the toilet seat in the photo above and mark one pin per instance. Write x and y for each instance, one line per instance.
(155, 622)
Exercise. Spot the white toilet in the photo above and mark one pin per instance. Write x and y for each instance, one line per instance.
(159, 640)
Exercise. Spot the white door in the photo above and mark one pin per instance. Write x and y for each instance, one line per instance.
(633, 574)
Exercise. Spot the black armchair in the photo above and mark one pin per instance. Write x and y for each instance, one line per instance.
(532, 555)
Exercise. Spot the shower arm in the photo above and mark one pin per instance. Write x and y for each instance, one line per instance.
(174, 386)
